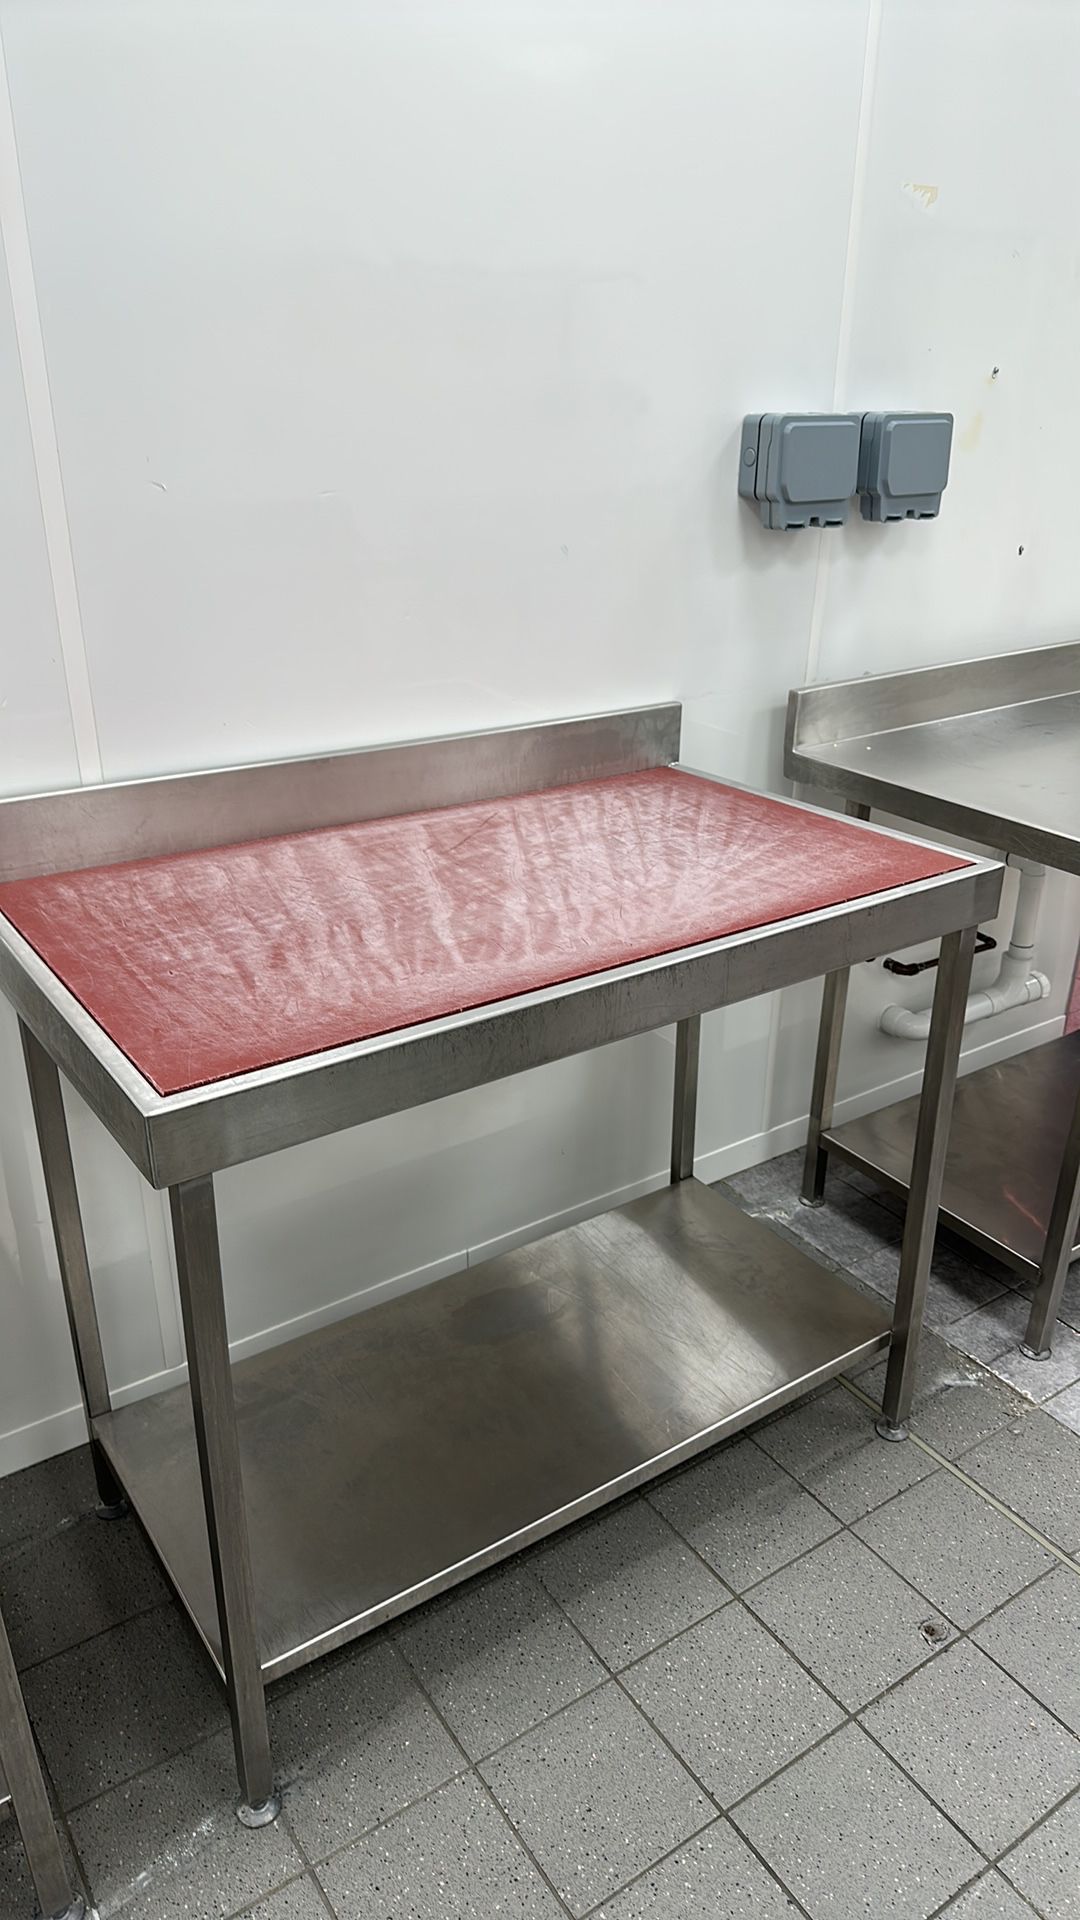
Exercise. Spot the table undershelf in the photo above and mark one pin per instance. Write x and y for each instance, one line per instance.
(1006, 1143)
(390, 1455)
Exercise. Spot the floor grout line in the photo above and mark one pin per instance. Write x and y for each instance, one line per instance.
(951, 1466)
(1072, 1793)
(474, 1769)
(126, 1620)
(271, 1893)
(309, 1865)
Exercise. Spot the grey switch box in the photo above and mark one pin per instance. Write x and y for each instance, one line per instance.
(904, 464)
(800, 468)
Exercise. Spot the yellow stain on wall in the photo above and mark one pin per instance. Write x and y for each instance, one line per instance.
(972, 434)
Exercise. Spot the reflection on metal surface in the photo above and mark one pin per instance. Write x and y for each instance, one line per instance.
(1009, 1126)
(136, 819)
(984, 748)
(391, 1455)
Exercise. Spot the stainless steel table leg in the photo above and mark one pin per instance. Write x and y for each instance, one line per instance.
(51, 1122)
(826, 1064)
(823, 1093)
(202, 1301)
(1060, 1240)
(684, 1116)
(19, 1761)
(928, 1166)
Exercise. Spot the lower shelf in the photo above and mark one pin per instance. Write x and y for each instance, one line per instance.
(390, 1455)
(1006, 1143)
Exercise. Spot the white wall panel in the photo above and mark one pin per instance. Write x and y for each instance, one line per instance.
(969, 261)
(37, 748)
(396, 351)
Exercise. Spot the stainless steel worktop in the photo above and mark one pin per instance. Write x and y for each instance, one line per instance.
(317, 1489)
(988, 749)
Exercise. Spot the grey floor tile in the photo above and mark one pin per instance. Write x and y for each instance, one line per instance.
(991, 1898)
(300, 1900)
(743, 1513)
(168, 1845)
(852, 1231)
(66, 1585)
(628, 1581)
(850, 1619)
(497, 1657)
(1039, 1379)
(992, 1330)
(957, 1286)
(1065, 1407)
(830, 1445)
(596, 1797)
(715, 1877)
(40, 1499)
(774, 1183)
(956, 1403)
(954, 1547)
(731, 1702)
(452, 1857)
(852, 1837)
(127, 1700)
(978, 1744)
(354, 1744)
(862, 1183)
(1046, 1866)
(1037, 1637)
(1033, 1466)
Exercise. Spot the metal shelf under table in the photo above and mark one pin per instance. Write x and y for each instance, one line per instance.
(1009, 1127)
(387, 1456)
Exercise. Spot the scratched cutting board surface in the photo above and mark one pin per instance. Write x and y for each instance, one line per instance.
(201, 966)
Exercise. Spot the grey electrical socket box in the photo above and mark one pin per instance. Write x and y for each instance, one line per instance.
(904, 464)
(800, 468)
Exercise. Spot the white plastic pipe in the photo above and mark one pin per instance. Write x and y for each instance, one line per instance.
(1017, 983)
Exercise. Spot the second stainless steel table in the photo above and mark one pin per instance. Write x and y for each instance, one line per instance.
(990, 750)
(230, 963)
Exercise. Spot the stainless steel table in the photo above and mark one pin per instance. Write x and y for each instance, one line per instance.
(988, 749)
(307, 1494)
(22, 1787)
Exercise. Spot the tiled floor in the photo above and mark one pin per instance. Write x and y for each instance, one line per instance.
(811, 1673)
